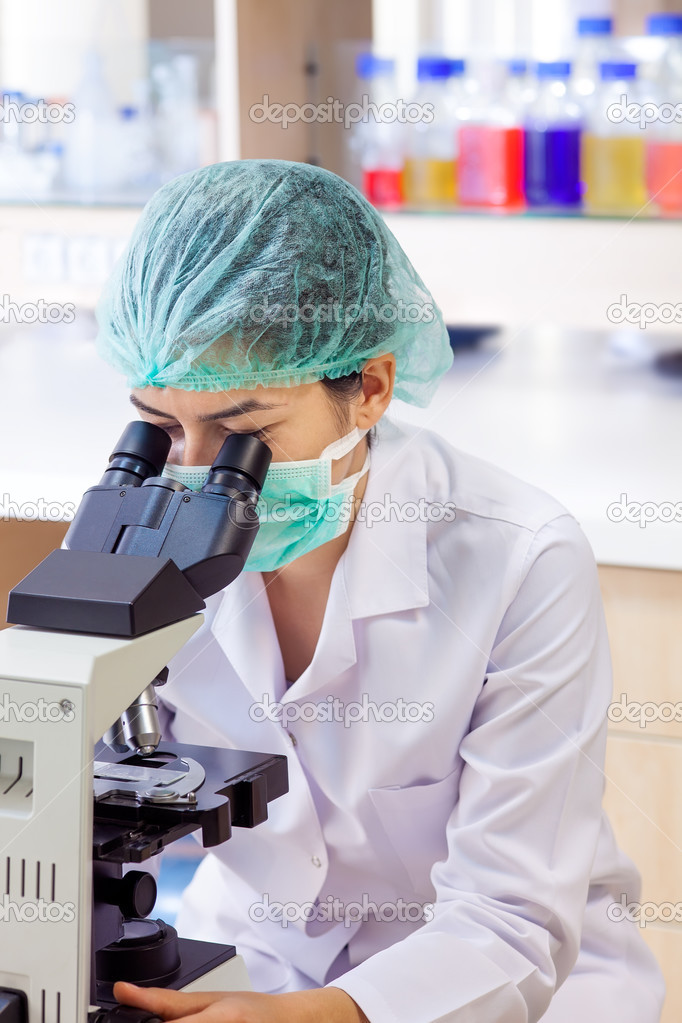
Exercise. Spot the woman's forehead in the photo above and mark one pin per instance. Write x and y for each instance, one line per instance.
(195, 404)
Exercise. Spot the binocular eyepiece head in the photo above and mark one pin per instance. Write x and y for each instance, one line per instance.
(143, 449)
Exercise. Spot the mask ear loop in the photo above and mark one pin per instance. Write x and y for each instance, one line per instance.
(339, 448)
(349, 482)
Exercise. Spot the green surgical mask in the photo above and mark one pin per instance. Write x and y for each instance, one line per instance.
(299, 508)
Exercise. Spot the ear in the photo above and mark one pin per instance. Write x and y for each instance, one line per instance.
(378, 377)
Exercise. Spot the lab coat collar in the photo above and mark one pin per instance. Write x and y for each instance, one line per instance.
(384, 564)
(383, 570)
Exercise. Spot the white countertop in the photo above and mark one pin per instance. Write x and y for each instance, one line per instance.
(563, 411)
(556, 408)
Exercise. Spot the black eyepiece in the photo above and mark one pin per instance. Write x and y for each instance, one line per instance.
(246, 454)
(140, 453)
(240, 466)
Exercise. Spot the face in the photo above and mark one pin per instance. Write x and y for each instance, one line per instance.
(295, 422)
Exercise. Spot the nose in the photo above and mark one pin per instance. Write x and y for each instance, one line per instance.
(197, 445)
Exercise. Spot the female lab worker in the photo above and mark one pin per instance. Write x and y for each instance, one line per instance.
(419, 632)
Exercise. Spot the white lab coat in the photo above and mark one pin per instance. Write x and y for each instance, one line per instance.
(488, 807)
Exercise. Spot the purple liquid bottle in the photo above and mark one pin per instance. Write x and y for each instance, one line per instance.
(552, 141)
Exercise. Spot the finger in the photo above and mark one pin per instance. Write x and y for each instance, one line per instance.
(232, 1008)
(172, 1005)
(224, 1011)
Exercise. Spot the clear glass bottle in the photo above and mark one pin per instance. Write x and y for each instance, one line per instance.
(380, 144)
(612, 160)
(431, 143)
(490, 137)
(664, 135)
(521, 87)
(553, 128)
(593, 47)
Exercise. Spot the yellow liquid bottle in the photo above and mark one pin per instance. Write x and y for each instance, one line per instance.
(429, 181)
(430, 167)
(613, 163)
(613, 171)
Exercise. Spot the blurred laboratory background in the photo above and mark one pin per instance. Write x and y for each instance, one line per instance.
(527, 154)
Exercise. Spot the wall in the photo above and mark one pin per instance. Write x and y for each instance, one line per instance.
(276, 43)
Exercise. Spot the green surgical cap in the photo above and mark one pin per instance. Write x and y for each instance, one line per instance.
(266, 272)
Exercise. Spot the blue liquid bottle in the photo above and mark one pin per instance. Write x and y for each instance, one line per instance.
(552, 141)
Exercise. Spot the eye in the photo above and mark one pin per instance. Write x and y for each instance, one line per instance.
(260, 434)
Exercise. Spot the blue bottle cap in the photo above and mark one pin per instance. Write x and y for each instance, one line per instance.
(664, 24)
(612, 70)
(595, 26)
(430, 68)
(368, 65)
(517, 66)
(553, 69)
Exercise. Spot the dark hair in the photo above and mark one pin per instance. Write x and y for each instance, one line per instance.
(341, 391)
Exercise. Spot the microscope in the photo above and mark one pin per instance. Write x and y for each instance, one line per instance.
(87, 786)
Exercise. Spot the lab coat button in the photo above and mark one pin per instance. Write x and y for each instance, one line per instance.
(317, 862)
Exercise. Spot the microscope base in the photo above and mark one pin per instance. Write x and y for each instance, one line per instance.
(229, 976)
(206, 966)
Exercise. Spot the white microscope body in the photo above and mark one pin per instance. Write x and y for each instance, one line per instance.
(59, 693)
(95, 625)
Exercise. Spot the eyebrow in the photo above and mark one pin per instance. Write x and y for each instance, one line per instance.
(230, 413)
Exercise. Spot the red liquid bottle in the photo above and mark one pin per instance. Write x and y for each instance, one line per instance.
(664, 175)
(378, 143)
(664, 134)
(491, 145)
(491, 165)
(383, 186)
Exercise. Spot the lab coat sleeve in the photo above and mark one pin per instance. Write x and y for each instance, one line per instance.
(522, 837)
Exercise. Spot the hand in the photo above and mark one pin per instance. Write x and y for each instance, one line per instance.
(330, 1004)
